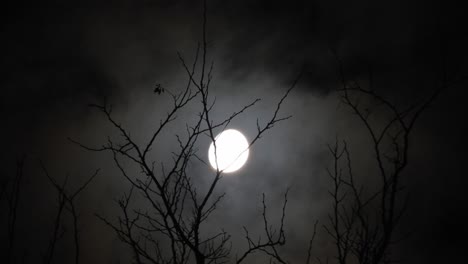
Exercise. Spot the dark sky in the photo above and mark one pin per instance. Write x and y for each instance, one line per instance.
(59, 56)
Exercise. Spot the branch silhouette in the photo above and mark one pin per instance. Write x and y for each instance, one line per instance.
(170, 230)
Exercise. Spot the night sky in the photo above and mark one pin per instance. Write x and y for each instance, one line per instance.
(60, 56)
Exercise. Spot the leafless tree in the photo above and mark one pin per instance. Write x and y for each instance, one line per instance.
(364, 218)
(171, 230)
(66, 200)
(11, 192)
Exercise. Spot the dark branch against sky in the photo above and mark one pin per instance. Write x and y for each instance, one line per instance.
(59, 56)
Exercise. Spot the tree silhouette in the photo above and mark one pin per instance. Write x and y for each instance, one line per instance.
(364, 217)
(171, 230)
(12, 195)
(11, 192)
(66, 201)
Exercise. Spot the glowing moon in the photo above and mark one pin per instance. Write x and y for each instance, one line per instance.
(232, 151)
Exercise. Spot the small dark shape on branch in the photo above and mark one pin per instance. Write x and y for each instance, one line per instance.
(158, 89)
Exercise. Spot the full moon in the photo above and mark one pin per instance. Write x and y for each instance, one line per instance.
(232, 151)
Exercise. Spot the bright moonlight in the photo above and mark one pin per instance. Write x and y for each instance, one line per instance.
(232, 151)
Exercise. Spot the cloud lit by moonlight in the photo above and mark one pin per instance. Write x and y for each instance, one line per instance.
(231, 151)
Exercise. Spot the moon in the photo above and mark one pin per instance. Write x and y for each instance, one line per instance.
(232, 151)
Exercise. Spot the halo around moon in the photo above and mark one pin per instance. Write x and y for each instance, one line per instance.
(232, 151)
